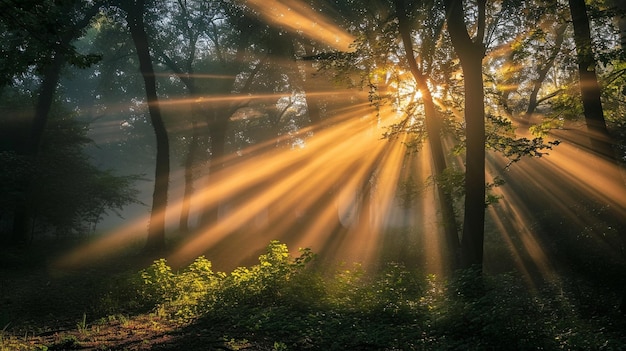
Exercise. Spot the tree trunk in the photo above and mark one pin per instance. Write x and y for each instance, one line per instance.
(218, 126)
(471, 52)
(589, 87)
(183, 225)
(433, 128)
(187, 77)
(218, 120)
(474, 215)
(621, 23)
(156, 229)
(601, 141)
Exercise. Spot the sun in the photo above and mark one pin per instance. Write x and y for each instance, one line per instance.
(405, 93)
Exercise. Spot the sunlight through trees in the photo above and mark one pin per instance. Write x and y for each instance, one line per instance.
(487, 136)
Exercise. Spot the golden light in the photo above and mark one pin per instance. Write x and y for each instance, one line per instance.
(299, 17)
(339, 194)
(403, 89)
(336, 195)
(570, 174)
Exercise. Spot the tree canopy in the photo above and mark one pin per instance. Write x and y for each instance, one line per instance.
(308, 120)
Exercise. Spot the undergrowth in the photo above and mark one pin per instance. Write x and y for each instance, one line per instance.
(285, 303)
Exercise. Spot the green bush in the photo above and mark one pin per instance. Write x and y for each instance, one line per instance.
(284, 303)
(181, 294)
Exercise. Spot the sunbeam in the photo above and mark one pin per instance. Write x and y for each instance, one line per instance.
(286, 181)
(298, 17)
(564, 182)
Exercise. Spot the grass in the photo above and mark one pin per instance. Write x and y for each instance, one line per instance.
(284, 303)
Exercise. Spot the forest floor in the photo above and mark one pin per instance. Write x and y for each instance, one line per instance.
(99, 306)
(43, 307)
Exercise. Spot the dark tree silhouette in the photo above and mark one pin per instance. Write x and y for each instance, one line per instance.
(588, 81)
(156, 229)
(471, 52)
(50, 60)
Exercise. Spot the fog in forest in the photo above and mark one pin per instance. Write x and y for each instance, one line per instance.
(467, 143)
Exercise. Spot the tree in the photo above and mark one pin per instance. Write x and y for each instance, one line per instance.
(62, 174)
(601, 140)
(191, 21)
(471, 52)
(377, 51)
(213, 53)
(588, 81)
(433, 123)
(156, 229)
(542, 72)
(62, 23)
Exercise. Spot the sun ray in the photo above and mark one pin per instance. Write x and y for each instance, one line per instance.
(313, 169)
(299, 17)
(566, 184)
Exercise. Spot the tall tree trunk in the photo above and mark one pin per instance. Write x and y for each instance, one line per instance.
(474, 214)
(601, 141)
(433, 128)
(471, 52)
(187, 77)
(156, 228)
(218, 121)
(589, 87)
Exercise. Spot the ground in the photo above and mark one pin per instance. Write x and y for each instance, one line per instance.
(43, 307)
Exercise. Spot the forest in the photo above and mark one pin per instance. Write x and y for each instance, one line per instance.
(313, 175)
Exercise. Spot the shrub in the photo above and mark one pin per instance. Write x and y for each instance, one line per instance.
(181, 294)
(282, 302)
(197, 288)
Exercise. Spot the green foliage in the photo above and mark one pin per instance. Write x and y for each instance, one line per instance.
(483, 314)
(543, 128)
(197, 288)
(37, 31)
(82, 324)
(566, 106)
(452, 181)
(490, 197)
(282, 303)
(180, 294)
(501, 137)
